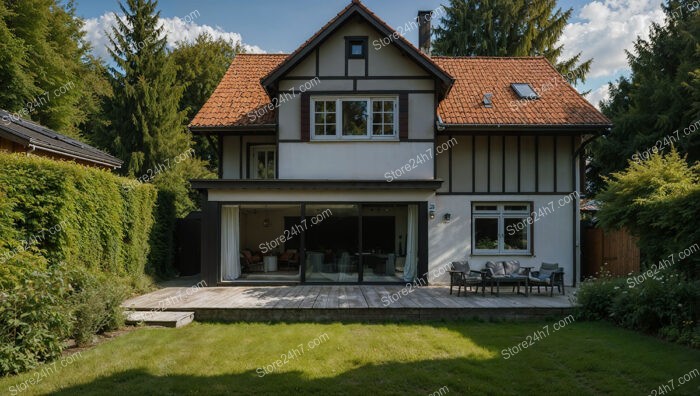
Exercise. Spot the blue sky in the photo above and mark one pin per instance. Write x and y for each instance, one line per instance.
(601, 29)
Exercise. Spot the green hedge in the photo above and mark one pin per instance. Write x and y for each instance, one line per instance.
(74, 242)
(83, 217)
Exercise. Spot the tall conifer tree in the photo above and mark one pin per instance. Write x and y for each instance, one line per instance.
(147, 127)
(507, 28)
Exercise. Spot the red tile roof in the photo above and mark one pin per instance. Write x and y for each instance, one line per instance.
(559, 103)
(240, 93)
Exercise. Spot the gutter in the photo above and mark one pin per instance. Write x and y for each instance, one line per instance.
(593, 128)
(33, 147)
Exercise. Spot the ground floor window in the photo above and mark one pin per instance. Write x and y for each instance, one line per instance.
(501, 228)
(320, 242)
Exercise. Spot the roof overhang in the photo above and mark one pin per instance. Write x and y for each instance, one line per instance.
(518, 129)
(109, 164)
(269, 82)
(229, 184)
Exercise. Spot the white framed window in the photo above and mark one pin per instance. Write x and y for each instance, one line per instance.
(354, 118)
(501, 228)
(262, 162)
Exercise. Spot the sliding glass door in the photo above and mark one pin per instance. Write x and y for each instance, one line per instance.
(319, 243)
(332, 243)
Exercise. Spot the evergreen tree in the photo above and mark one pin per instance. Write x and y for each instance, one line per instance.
(147, 127)
(200, 67)
(661, 96)
(507, 28)
(45, 64)
(16, 83)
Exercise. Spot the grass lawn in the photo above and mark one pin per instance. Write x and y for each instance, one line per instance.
(375, 359)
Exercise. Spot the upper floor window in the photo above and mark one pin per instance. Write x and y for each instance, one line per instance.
(357, 48)
(354, 118)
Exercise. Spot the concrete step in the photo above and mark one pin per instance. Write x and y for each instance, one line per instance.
(159, 318)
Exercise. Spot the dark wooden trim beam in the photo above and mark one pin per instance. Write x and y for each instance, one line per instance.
(556, 193)
(555, 163)
(473, 164)
(403, 116)
(488, 163)
(520, 171)
(423, 242)
(537, 164)
(240, 157)
(503, 167)
(305, 117)
(449, 159)
(211, 242)
(293, 184)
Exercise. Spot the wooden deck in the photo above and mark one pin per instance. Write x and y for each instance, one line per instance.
(345, 303)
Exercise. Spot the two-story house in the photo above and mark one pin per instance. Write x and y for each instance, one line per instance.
(359, 158)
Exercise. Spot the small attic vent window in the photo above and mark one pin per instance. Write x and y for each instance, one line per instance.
(525, 91)
(488, 100)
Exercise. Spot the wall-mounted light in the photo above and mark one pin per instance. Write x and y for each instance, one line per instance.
(431, 210)
(432, 215)
(446, 218)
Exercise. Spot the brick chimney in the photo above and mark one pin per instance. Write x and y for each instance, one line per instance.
(424, 18)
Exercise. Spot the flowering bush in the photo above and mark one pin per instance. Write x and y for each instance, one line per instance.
(666, 305)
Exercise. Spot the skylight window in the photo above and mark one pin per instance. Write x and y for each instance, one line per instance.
(525, 91)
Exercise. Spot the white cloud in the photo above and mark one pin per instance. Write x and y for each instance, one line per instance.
(177, 29)
(607, 28)
(596, 95)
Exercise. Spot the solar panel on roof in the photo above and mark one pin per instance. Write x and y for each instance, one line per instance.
(525, 91)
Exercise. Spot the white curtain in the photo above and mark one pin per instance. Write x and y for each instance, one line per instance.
(411, 266)
(230, 250)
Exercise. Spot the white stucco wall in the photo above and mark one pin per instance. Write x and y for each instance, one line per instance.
(353, 160)
(552, 235)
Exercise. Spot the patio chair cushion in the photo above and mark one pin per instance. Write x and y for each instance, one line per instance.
(546, 270)
(540, 279)
(511, 267)
(461, 266)
(496, 269)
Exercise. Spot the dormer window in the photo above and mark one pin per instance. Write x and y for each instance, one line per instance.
(356, 47)
(353, 118)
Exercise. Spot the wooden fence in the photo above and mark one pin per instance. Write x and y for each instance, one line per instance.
(617, 249)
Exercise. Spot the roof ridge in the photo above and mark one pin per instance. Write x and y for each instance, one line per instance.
(488, 57)
(259, 54)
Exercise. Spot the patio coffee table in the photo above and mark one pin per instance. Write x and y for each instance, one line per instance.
(516, 280)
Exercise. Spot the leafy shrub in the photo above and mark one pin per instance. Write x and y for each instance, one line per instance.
(95, 303)
(595, 296)
(654, 200)
(33, 318)
(665, 305)
(74, 242)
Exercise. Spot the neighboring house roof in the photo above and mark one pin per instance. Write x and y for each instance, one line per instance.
(590, 205)
(37, 137)
(239, 93)
(559, 103)
(357, 8)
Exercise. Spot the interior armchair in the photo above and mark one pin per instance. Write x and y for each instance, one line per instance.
(289, 258)
(252, 261)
